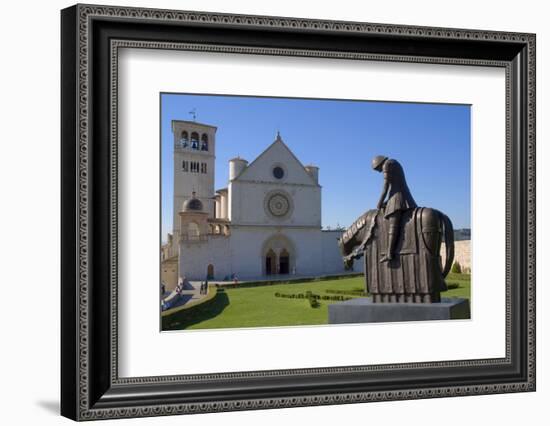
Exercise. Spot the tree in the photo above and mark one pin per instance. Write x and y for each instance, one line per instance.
(456, 268)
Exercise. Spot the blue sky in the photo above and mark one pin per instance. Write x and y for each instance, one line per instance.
(431, 141)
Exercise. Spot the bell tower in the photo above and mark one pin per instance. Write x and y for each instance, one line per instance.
(194, 155)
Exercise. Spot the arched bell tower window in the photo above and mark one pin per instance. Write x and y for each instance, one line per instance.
(193, 231)
(184, 140)
(204, 142)
(194, 140)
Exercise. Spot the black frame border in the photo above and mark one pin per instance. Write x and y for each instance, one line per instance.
(90, 387)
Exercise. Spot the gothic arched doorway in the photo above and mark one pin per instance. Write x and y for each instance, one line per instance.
(284, 262)
(210, 272)
(278, 255)
(270, 262)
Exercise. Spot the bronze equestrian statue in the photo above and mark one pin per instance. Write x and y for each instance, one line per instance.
(401, 243)
(399, 199)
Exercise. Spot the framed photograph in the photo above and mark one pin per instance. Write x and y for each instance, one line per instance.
(267, 248)
(263, 212)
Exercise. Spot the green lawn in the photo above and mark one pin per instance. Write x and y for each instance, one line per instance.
(463, 282)
(258, 306)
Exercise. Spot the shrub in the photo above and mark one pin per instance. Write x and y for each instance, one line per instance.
(314, 303)
(456, 268)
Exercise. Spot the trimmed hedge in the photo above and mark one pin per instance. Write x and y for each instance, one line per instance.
(313, 298)
(295, 281)
(348, 292)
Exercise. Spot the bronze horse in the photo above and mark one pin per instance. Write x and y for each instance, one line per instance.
(416, 274)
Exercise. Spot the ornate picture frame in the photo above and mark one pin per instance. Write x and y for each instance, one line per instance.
(90, 39)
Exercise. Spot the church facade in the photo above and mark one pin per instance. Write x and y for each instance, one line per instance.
(265, 223)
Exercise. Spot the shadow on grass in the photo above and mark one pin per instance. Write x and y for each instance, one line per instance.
(197, 314)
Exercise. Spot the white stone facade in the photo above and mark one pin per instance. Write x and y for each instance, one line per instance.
(267, 222)
(311, 253)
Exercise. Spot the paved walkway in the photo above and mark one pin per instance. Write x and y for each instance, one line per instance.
(190, 293)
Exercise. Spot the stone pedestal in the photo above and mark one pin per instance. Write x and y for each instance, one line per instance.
(363, 310)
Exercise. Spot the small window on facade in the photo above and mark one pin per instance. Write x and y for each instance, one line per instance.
(194, 140)
(203, 167)
(278, 172)
(185, 166)
(184, 140)
(204, 142)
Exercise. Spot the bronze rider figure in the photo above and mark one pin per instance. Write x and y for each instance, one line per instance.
(399, 198)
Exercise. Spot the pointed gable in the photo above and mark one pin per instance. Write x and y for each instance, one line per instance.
(277, 155)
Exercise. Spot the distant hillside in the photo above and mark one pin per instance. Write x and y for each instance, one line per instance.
(462, 234)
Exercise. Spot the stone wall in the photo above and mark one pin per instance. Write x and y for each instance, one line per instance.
(333, 262)
(169, 273)
(462, 254)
